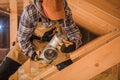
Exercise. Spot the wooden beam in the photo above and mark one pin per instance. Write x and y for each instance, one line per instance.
(13, 27)
(4, 11)
(93, 18)
(96, 43)
(27, 66)
(14, 76)
(119, 71)
(3, 53)
(48, 72)
(111, 6)
(83, 51)
(109, 74)
(114, 73)
(13, 21)
(92, 64)
(1, 37)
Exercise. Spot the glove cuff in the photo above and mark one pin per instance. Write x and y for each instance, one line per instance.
(69, 48)
(33, 56)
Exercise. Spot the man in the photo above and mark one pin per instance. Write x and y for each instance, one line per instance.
(49, 13)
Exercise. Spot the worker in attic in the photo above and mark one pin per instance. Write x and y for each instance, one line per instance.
(42, 20)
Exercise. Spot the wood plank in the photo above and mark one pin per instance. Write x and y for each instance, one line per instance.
(4, 11)
(27, 66)
(13, 21)
(109, 74)
(101, 13)
(96, 43)
(119, 71)
(111, 6)
(13, 27)
(115, 72)
(93, 18)
(48, 72)
(94, 63)
(14, 76)
(1, 37)
(3, 53)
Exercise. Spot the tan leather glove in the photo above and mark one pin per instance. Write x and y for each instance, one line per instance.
(67, 46)
(35, 56)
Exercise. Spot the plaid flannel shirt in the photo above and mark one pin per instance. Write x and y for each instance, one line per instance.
(28, 23)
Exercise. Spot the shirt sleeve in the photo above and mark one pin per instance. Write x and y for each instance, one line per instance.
(27, 24)
(71, 29)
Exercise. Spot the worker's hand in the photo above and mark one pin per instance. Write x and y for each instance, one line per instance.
(36, 57)
(48, 35)
(67, 46)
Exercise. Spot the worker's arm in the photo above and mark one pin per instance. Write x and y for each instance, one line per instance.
(70, 28)
(27, 24)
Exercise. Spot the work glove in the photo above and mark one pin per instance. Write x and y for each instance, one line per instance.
(33, 37)
(48, 35)
(67, 46)
(36, 57)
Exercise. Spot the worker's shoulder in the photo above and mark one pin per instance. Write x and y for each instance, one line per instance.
(30, 7)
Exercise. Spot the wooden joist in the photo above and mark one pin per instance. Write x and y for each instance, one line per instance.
(92, 64)
(13, 21)
(13, 28)
(3, 53)
(96, 43)
(4, 11)
(93, 18)
(111, 6)
(118, 71)
(48, 72)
